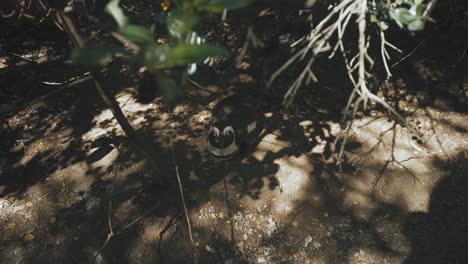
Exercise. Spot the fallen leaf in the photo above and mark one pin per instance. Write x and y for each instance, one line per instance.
(28, 237)
(295, 223)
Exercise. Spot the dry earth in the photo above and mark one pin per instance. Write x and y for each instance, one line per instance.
(63, 158)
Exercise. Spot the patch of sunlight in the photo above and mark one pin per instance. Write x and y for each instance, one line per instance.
(50, 142)
(199, 119)
(269, 143)
(359, 204)
(129, 103)
(151, 232)
(367, 255)
(73, 177)
(294, 178)
(409, 184)
(293, 175)
(106, 123)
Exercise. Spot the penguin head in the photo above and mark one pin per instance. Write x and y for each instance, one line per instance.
(222, 140)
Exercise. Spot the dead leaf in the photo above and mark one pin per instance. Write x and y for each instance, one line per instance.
(28, 237)
(295, 223)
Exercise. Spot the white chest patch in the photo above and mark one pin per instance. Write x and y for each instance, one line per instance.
(223, 152)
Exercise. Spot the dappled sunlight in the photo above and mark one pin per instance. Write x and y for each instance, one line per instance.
(293, 176)
(368, 255)
(360, 205)
(269, 143)
(73, 185)
(408, 184)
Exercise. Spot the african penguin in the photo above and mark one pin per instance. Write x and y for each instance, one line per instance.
(235, 125)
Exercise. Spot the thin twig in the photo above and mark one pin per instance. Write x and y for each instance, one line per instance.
(391, 160)
(119, 230)
(384, 53)
(181, 190)
(229, 209)
(110, 234)
(409, 54)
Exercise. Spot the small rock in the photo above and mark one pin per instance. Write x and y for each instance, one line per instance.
(209, 249)
(245, 237)
(261, 259)
(316, 245)
(18, 208)
(295, 223)
(307, 241)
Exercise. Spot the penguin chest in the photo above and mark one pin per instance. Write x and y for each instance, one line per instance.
(222, 141)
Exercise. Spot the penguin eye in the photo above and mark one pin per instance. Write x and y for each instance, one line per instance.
(214, 130)
(228, 130)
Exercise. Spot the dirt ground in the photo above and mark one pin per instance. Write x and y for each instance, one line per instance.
(67, 173)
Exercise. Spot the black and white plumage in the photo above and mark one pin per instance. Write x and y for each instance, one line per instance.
(235, 125)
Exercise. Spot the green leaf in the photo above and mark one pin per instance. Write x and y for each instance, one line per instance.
(168, 87)
(416, 25)
(137, 34)
(154, 56)
(383, 26)
(403, 15)
(217, 6)
(113, 9)
(179, 23)
(185, 54)
(91, 56)
(418, 9)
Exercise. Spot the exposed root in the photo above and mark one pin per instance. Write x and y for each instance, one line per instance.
(392, 160)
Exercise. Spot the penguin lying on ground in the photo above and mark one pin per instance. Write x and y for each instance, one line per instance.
(235, 126)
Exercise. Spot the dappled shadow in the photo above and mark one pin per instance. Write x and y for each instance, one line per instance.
(73, 173)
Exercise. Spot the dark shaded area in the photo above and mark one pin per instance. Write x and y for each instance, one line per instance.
(440, 235)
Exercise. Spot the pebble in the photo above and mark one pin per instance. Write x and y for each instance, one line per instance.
(307, 241)
(261, 259)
